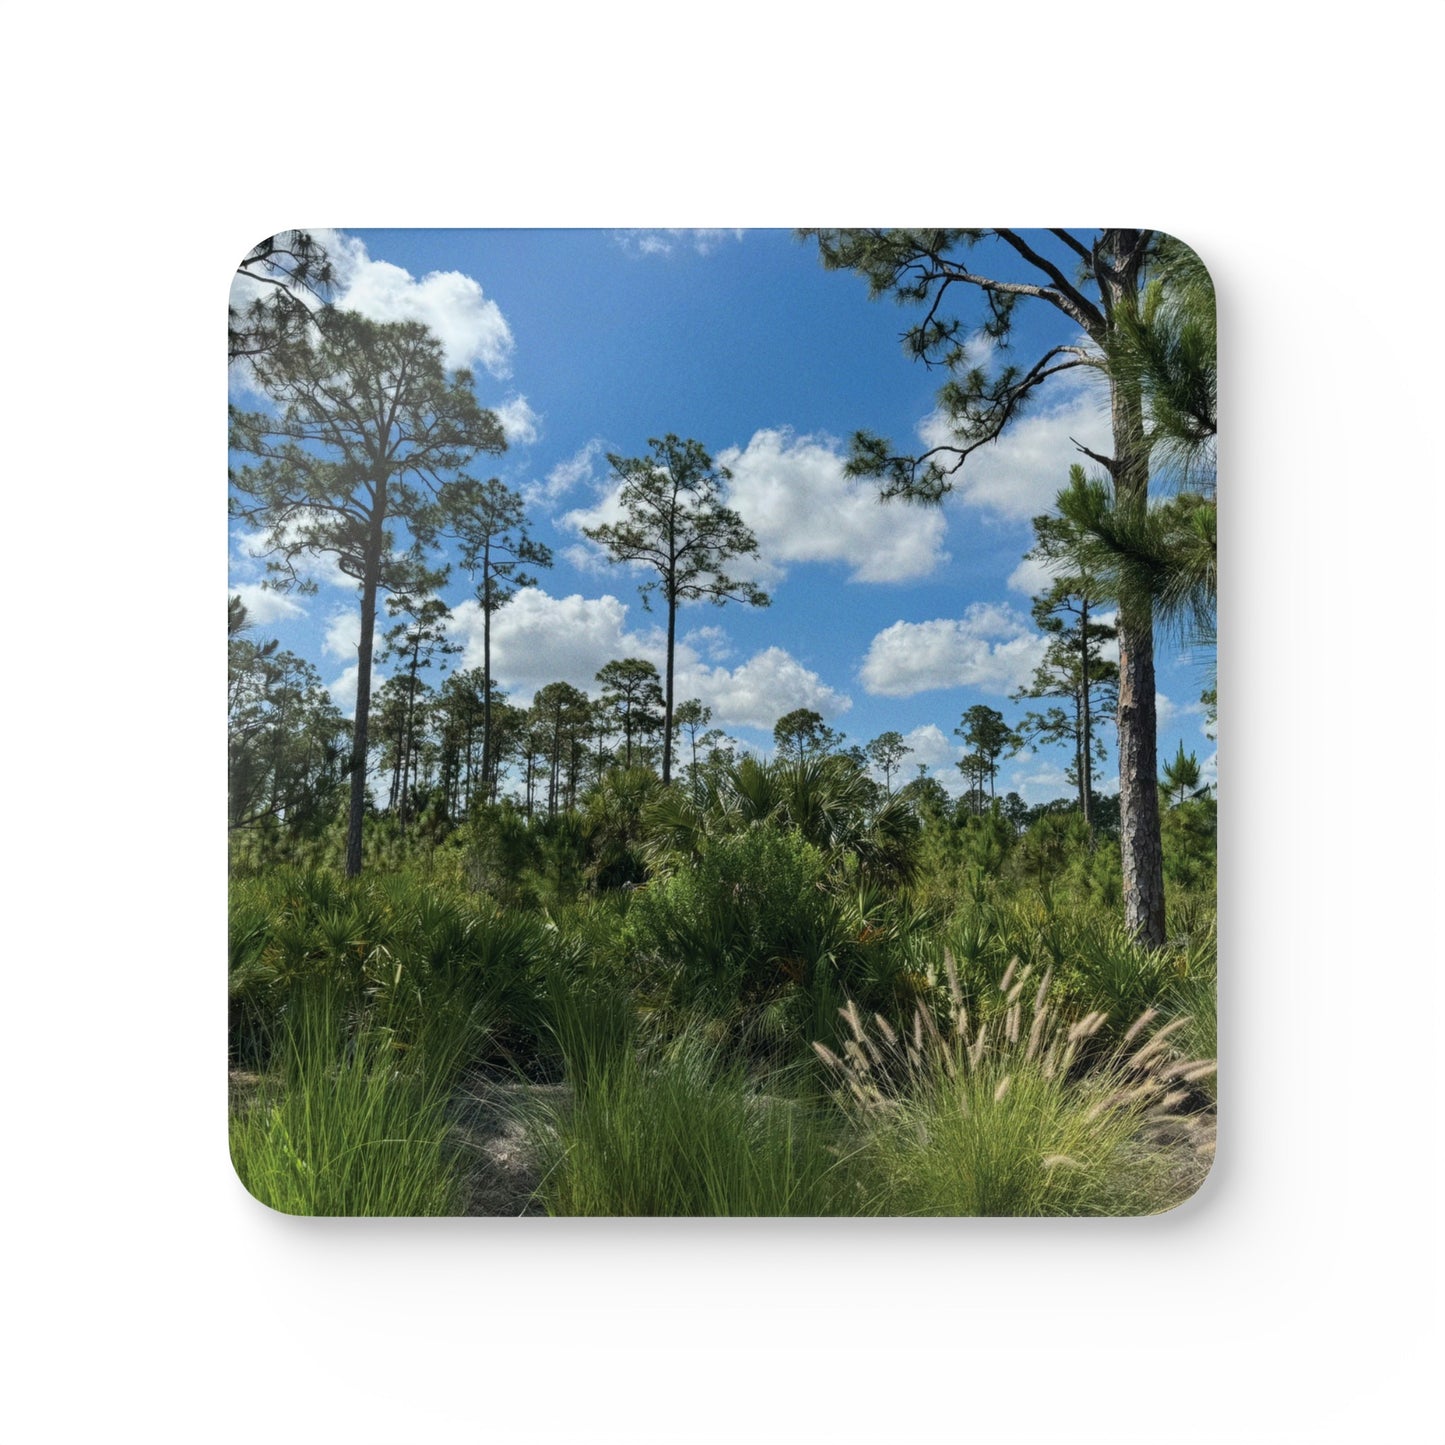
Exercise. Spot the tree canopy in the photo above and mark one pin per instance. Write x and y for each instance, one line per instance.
(368, 429)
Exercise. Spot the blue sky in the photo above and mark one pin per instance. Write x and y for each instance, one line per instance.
(884, 616)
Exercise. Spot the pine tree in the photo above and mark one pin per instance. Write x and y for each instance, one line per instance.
(292, 277)
(985, 731)
(417, 640)
(676, 524)
(886, 753)
(1096, 282)
(489, 520)
(802, 734)
(632, 699)
(1074, 668)
(1181, 777)
(367, 428)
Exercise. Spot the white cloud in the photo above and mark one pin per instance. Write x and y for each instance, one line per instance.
(1037, 780)
(520, 424)
(263, 605)
(470, 327)
(566, 476)
(586, 558)
(759, 692)
(538, 638)
(930, 746)
(1031, 577)
(1167, 712)
(712, 641)
(793, 493)
(1020, 475)
(253, 549)
(343, 634)
(343, 637)
(1209, 769)
(343, 690)
(992, 648)
(662, 242)
(607, 508)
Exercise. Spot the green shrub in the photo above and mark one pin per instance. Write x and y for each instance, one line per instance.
(1189, 833)
(401, 946)
(747, 919)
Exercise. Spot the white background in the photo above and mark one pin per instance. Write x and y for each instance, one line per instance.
(1298, 1298)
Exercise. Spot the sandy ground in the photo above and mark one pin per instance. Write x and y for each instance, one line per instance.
(501, 1171)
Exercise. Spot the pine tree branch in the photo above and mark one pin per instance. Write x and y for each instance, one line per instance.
(1087, 314)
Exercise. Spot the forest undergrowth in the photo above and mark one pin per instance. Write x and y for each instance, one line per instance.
(792, 1014)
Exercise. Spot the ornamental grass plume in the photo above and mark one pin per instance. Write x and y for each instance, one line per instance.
(1008, 1116)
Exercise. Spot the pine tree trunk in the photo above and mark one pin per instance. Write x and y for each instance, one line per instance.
(488, 762)
(369, 584)
(1086, 760)
(667, 718)
(406, 769)
(1141, 848)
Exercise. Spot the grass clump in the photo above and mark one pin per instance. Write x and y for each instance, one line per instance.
(1001, 1117)
(677, 1131)
(352, 1120)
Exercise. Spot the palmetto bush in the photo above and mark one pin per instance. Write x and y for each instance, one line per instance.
(399, 947)
(751, 915)
(827, 801)
(1094, 963)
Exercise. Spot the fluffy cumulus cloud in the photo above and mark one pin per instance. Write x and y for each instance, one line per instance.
(1209, 770)
(472, 330)
(793, 493)
(252, 549)
(538, 638)
(342, 689)
(759, 691)
(1171, 715)
(930, 745)
(605, 510)
(1037, 778)
(607, 507)
(991, 648)
(520, 424)
(664, 242)
(712, 642)
(1019, 475)
(263, 605)
(1031, 577)
(343, 634)
(469, 324)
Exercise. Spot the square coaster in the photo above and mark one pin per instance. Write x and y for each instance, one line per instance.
(722, 722)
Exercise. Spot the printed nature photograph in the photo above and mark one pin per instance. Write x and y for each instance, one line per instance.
(722, 722)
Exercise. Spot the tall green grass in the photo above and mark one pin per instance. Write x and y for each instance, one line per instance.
(678, 1132)
(352, 1122)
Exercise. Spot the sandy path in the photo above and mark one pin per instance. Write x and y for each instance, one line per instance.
(501, 1170)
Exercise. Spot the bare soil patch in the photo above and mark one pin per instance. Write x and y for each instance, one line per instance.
(499, 1161)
